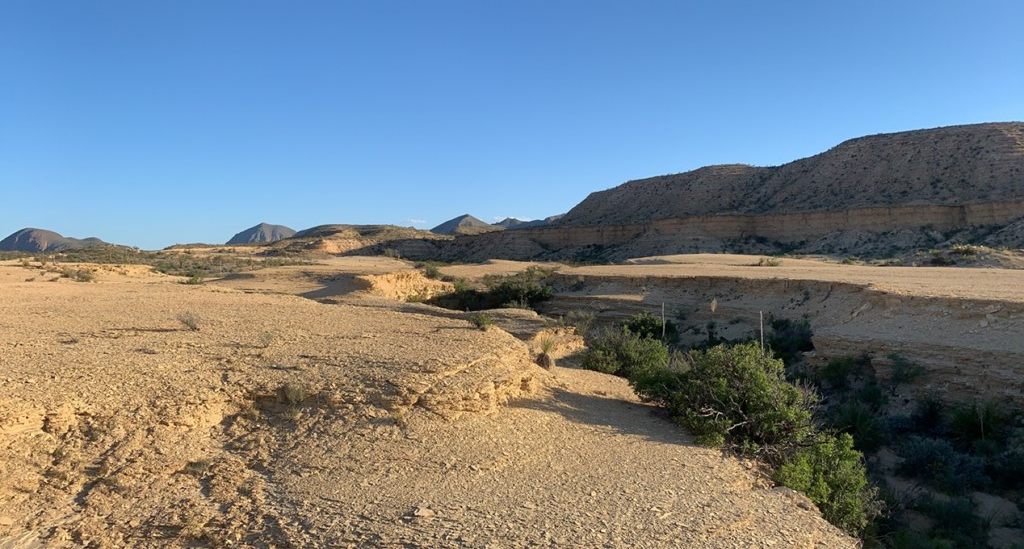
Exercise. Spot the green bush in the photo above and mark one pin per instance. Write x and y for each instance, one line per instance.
(980, 422)
(861, 422)
(481, 321)
(837, 372)
(647, 325)
(831, 473)
(522, 290)
(735, 394)
(622, 353)
(789, 338)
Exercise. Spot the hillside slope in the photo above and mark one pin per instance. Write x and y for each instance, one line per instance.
(954, 165)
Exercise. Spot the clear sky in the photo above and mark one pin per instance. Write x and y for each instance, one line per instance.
(150, 123)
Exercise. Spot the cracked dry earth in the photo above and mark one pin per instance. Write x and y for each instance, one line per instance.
(284, 422)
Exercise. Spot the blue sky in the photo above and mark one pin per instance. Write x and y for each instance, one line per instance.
(155, 123)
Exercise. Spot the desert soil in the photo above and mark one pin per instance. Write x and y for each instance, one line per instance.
(357, 421)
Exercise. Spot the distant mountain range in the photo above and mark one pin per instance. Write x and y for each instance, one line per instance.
(467, 224)
(261, 234)
(41, 240)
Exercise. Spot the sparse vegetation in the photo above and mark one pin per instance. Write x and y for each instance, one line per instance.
(525, 290)
(739, 396)
(295, 393)
(190, 320)
(769, 262)
(481, 321)
(77, 274)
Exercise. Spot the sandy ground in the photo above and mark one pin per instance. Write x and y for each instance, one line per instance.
(286, 422)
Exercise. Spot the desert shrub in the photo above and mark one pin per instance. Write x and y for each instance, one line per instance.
(189, 320)
(980, 422)
(954, 522)
(789, 338)
(78, 275)
(733, 394)
(861, 422)
(903, 371)
(837, 372)
(1007, 468)
(621, 352)
(514, 291)
(194, 279)
(647, 325)
(769, 262)
(831, 473)
(430, 269)
(481, 321)
(522, 290)
(941, 466)
(295, 393)
(581, 322)
(871, 395)
(928, 418)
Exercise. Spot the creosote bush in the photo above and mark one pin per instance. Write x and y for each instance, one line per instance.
(733, 394)
(622, 353)
(739, 396)
(830, 472)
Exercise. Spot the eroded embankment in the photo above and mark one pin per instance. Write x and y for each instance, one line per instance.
(121, 425)
(711, 232)
(971, 349)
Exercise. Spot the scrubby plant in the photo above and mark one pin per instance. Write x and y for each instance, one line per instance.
(481, 321)
(645, 324)
(831, 473)
(789, 338)
(733, 394)
(941, 466)
(580, 321)
(903, 371)
(190, 320)
(295, 393)
(836, 373)
(980, 422)
(621, 352)
(861, 422)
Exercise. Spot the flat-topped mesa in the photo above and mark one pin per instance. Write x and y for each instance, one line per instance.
(949, 166)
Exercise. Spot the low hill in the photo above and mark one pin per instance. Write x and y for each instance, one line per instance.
(261, 234)
(41, 240)
(465, 224)
(360, 240)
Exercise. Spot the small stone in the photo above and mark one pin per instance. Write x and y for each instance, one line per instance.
(423, 511)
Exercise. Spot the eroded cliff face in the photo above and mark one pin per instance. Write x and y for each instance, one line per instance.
(949, 166)
(970, 349)
(737, 233)
(847, 200)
